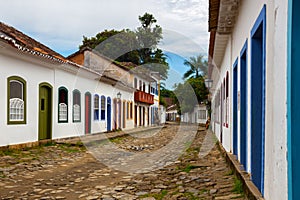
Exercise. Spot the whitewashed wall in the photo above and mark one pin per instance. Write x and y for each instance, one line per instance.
(276, 58)
(34, 72)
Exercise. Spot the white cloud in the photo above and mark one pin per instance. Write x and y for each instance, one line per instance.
(60, 24)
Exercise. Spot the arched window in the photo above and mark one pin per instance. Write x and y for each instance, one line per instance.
(227, 100)
(16, 100)
(62, 104)
(140, 85)
(127, 110)
(131, 110)
(96, 107)
(102, 107)
(76, 106)
(135, 83)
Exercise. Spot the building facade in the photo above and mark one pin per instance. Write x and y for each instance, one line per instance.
(48, 96)
(253, 64)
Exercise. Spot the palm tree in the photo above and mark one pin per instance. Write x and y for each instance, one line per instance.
(198, 67)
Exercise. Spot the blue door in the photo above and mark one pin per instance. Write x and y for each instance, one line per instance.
(243, 109)
(235, 107)
(108, 118)
(293, 101)
(258, 100)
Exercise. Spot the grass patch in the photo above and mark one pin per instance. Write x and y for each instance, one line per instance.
(79, 144)
(229, 173)
(189, 167)
(48, 144)
(116, 140)
(2, 175)
(238, 186)
(193, 150)
(10, 152)
(187, 144)
(158, 196)
(190, 196)
(71, 148)
(203, 191)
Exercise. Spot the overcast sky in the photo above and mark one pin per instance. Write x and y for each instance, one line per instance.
(60, 24)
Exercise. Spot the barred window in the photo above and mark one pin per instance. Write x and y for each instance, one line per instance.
(102, 107)
(16, 100)
(201, 114)
(96, 107)
(76, 106)
(62, 104)
(16, 107)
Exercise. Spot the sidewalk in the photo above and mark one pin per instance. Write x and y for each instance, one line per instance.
(106, 135)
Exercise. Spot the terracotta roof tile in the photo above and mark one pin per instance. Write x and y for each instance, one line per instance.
(26, 41)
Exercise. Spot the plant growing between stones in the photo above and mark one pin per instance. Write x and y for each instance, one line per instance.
(116, 140)
(158, 196)
(10, 152)
(2, 175)
(189, 167)
(229, 173)
(190, 196)
(71, 148)
(238, 186)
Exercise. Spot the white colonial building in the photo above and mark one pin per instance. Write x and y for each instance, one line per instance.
(254, 67)
(48, 96)
(199, 115)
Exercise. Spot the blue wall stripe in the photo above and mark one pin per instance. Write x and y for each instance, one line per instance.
(235, 107)
(257, 169)
(243, 104)
(289, 127)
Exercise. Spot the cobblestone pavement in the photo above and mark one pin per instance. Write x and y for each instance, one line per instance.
(64, 171)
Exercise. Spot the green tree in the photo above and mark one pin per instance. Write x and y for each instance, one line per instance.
(190, 93)
(138, 47)
(92, 42)
(198, 67)
(198, 84)
(118, 45)
(149, 35)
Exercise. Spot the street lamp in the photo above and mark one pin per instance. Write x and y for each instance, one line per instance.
(208, 83)
(119, 95)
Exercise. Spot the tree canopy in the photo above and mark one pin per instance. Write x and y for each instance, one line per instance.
(197, 67)
(139, 47)
(190, 93)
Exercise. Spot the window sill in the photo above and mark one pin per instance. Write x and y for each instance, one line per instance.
(16, 122)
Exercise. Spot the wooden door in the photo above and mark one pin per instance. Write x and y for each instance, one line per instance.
(87, 106)
(45, 111)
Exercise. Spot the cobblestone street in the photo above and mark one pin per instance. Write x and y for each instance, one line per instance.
(70, 171)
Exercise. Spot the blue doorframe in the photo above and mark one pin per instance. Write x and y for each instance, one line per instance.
(293, 97)
(243, 105)
(235, 107)
(258, 52)
(108, 118)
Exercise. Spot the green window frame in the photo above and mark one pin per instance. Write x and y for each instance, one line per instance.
(16, 100)
(62, 105)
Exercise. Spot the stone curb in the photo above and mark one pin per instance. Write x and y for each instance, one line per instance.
(250, 190)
